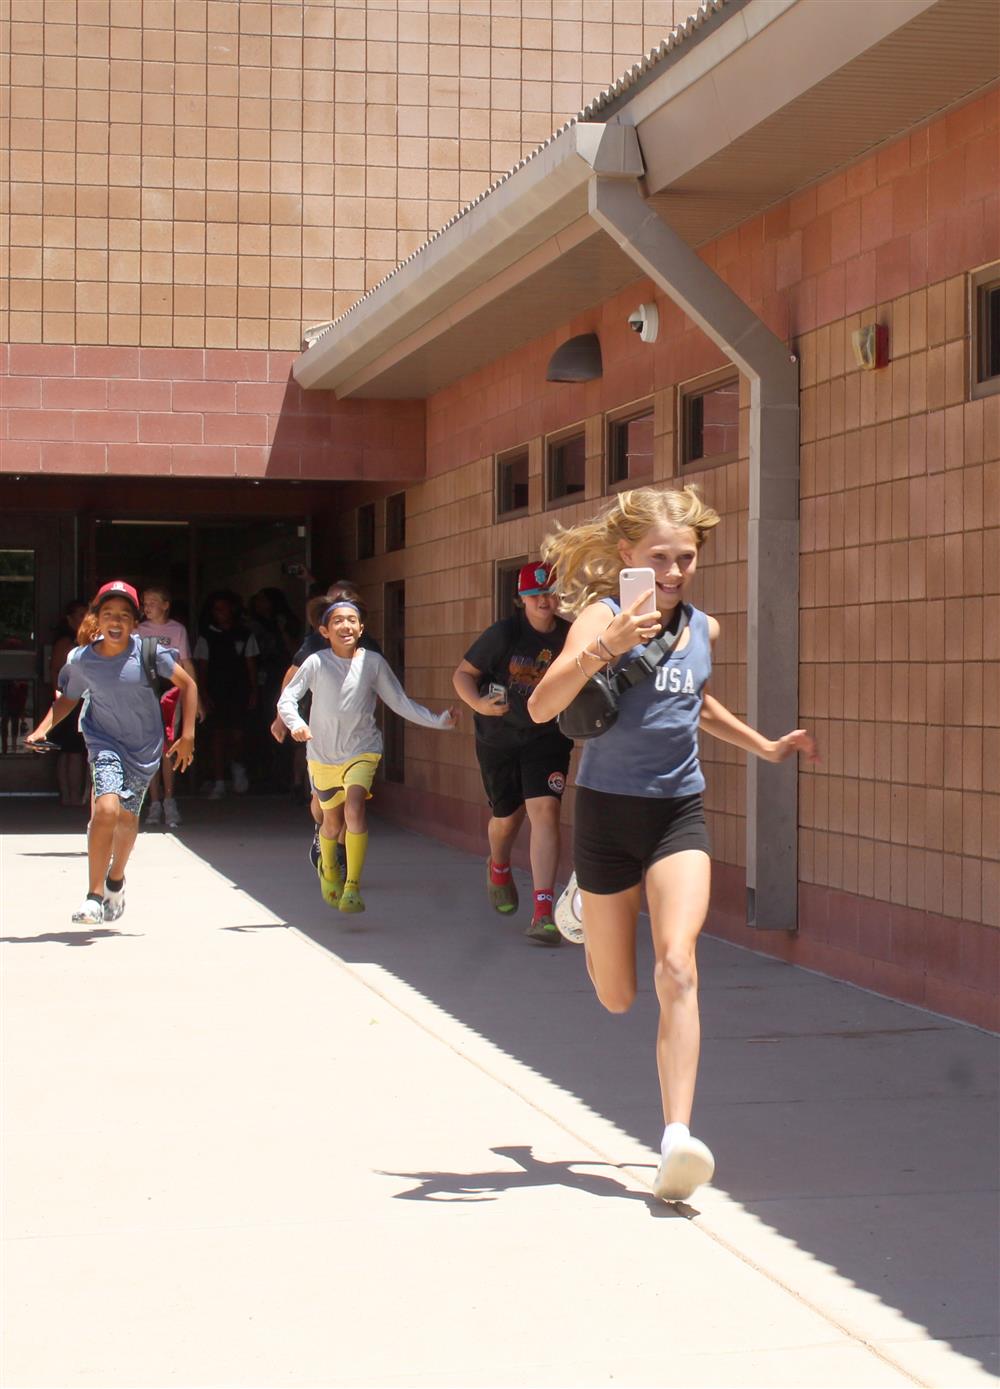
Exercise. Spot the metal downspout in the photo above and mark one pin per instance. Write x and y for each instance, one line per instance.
(618, 207)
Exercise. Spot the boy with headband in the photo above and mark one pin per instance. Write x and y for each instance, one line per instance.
(345, 745)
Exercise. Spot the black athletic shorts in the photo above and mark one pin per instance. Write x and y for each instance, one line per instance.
(512, 776)
(616, 838)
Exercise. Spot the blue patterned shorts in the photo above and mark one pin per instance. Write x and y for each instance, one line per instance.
(112, 777)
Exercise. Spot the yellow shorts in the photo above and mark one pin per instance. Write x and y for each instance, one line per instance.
(331, 780)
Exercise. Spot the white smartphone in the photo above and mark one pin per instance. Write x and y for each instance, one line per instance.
(632, 584)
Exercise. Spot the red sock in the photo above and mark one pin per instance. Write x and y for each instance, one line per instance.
(499, 873)
(543, 904)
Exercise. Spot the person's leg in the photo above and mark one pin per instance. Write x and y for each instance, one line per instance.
(100, 839)
(122, 845)
(501, 832)
(79, 789)
(63, 780)
(609, 922)
(356, 845)
(543, 816)
(331, 879)
(677, 889)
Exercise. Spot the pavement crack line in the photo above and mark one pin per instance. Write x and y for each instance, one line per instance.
(698, 1221)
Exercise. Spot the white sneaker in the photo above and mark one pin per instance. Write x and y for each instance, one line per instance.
(171, 815)
(217, 790)
(154, 814)
(241, 782)
(90, 914)
(114, 903)
(685, 1166)
(568, 912)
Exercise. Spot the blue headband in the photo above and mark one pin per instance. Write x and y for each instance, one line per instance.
(341, 603)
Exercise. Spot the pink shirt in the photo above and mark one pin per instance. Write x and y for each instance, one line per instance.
(172, 633)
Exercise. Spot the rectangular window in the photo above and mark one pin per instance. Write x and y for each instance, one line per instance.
(630, 448)
(984, 317)
(505, 585)
(17, 600)
(395, 521)
(512, 483)
(566, 467)
(366, 530)
(709, 430)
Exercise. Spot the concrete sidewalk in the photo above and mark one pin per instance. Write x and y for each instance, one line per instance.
(250, 1142)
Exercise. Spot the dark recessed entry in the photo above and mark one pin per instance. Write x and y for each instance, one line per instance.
(578, 359)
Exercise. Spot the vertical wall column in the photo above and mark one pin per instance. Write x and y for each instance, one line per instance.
(618, 207)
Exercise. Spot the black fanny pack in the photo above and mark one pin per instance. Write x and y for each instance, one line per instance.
(595, 708)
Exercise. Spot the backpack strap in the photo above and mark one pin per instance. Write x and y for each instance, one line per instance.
(150, 645)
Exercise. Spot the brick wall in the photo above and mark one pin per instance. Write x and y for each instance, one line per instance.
(192, 412)
(900, 570)
(215, 173)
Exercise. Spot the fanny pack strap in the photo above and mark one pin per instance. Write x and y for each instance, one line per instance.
(652, 655)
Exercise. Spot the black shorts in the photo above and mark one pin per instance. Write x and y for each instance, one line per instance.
(512, 776)
(616, 838)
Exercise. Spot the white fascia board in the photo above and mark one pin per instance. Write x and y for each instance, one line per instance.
(766, 56)
(422, 283)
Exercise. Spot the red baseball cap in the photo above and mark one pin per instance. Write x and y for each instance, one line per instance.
(118, 588)
(535, 578)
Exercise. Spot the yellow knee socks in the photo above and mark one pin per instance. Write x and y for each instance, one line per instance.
(328, 857)
(357, 847)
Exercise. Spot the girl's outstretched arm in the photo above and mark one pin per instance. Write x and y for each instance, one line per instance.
(391, 692)
(717, 720)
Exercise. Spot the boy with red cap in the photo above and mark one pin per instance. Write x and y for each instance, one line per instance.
(123, 728)
(523, 764)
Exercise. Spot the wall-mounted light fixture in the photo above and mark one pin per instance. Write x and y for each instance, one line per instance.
(578, 359)
(871, 346)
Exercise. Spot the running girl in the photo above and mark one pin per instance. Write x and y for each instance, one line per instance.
(123, 729)
(345, 743)
(638, 807)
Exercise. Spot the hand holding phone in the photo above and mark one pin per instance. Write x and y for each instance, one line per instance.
(633, 584)
(42, 745)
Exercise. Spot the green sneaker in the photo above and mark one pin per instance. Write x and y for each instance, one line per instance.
(331, 888)
(503, 896)
(544, 931)
(350, 898)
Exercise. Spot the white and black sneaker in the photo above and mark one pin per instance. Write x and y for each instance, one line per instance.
(314, 849)
(569, 912)
(91, 913)
(114, 902)
(154, 815)
(171, 815)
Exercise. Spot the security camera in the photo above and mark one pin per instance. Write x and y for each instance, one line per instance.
(645, 321)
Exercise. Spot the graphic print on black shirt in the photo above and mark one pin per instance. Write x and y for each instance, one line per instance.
(513, 654)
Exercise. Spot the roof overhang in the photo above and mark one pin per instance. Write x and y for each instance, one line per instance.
(775, 95)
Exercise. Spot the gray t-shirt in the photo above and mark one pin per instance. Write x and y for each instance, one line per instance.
(121, 711)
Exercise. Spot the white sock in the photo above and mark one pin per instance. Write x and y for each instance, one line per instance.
(672, 1134)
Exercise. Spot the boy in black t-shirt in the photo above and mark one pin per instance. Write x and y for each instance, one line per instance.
(523, 764)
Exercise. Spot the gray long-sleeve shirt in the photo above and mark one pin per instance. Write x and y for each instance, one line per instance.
(344, 690)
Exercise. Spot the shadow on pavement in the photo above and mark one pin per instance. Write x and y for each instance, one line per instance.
(865, 1131)
(65, 937)
(535, 1172)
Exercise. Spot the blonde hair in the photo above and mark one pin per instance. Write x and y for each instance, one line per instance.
(586, 558)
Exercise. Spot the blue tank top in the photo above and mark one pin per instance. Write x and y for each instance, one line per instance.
(652, 750)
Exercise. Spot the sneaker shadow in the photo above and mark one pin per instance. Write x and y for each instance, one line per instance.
(448, 1187)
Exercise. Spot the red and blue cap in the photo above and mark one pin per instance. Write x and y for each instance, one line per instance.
(535, 579)
(118, 588)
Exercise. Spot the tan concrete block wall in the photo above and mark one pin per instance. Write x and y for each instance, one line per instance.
(220, 173)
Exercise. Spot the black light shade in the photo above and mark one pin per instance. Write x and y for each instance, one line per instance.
(578, 359)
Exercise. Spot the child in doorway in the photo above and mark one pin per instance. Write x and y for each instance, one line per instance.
(345, 745)
(226, 654)
(158, 623)
(123, 729)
